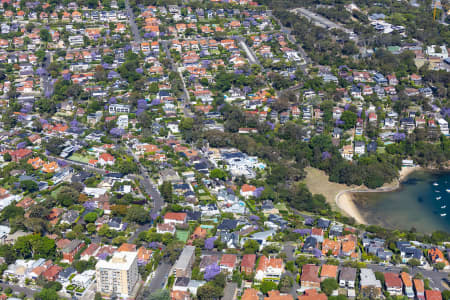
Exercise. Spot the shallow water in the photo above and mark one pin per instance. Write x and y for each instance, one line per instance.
(421, 202)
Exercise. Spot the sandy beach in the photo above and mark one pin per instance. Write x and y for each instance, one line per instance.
(337, 195)
(344, 200)
(341, 196)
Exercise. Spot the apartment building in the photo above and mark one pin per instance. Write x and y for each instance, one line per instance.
(184, 263)
(119, 275)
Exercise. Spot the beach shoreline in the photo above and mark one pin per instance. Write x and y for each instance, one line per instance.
(345, 198)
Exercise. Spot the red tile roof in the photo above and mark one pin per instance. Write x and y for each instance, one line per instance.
(392, 280)
(175, 216)
(248, 261)
(433, 295)
(228, 260)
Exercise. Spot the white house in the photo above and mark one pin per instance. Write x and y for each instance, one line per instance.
(269, 269)
(122, 121)
(443, 53)
(106, 159)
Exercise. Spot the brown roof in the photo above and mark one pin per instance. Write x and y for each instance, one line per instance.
(62, 243)
(312, 295)
(228, 260)
(419, 286)
(248, 261)
(275, 295)
(433, 295)
(90, 250)
(175, 216)
(250, 294)
(264, 263)
(392, 280)
(309, 273)
(125, 247)
(329, 271)
(406, 278)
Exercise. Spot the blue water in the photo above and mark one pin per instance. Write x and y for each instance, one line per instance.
(421, 202)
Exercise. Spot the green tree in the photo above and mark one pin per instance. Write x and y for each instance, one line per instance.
(12, 211)
(98, 296)
(29, 186)
(91, 227)
(414, 262)
(46, 294)
(267, 286)
(67, 196)
(117, 241)
(349, 118)
(90, 217)
(285, 284)
(218, 173)
(209, 291)
(45, 36)
(166, 191)
(7, 157)
(329, 285)
(251, 247)
(163, 294)
(137, 214)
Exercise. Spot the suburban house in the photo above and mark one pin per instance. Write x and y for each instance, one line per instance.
(328, 271)
(228, 263)
(309, 278)
(347, 277)
(175, 218)
(71, 250)
(407, 284)
(248, 263)
(269, 269)
(393, 284)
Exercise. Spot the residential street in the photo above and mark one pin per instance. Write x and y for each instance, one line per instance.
(133, 26)
(160, 277)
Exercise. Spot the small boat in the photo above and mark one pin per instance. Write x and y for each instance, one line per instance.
(443, 215)
(436, 191)
(438, 198)
(435, 184)
(447, 190)
(444, 206)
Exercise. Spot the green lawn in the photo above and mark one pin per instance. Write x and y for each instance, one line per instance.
(182, 235)
(280, 206)
(81, 158)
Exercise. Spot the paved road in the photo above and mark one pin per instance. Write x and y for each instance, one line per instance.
(160, 278)
(434, 276)
(133, 26)
(229, 292)
(250, 55)
(19, 289)
(319, 20)
(293, 40)
(185, 99)
(46, 78)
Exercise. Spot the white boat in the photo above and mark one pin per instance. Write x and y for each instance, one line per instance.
(447, 190)
(438, 198)
(435, 184)
(443, 215)
(444, 206)
(436, 191)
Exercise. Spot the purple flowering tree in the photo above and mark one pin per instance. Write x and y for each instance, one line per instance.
(254, 218)
(116, 131)
(317, 253)
(326, 155)
(209, 243)
(211, 271)
(399, 136)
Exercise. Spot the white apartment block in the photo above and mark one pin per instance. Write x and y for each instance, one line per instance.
(117, 276)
